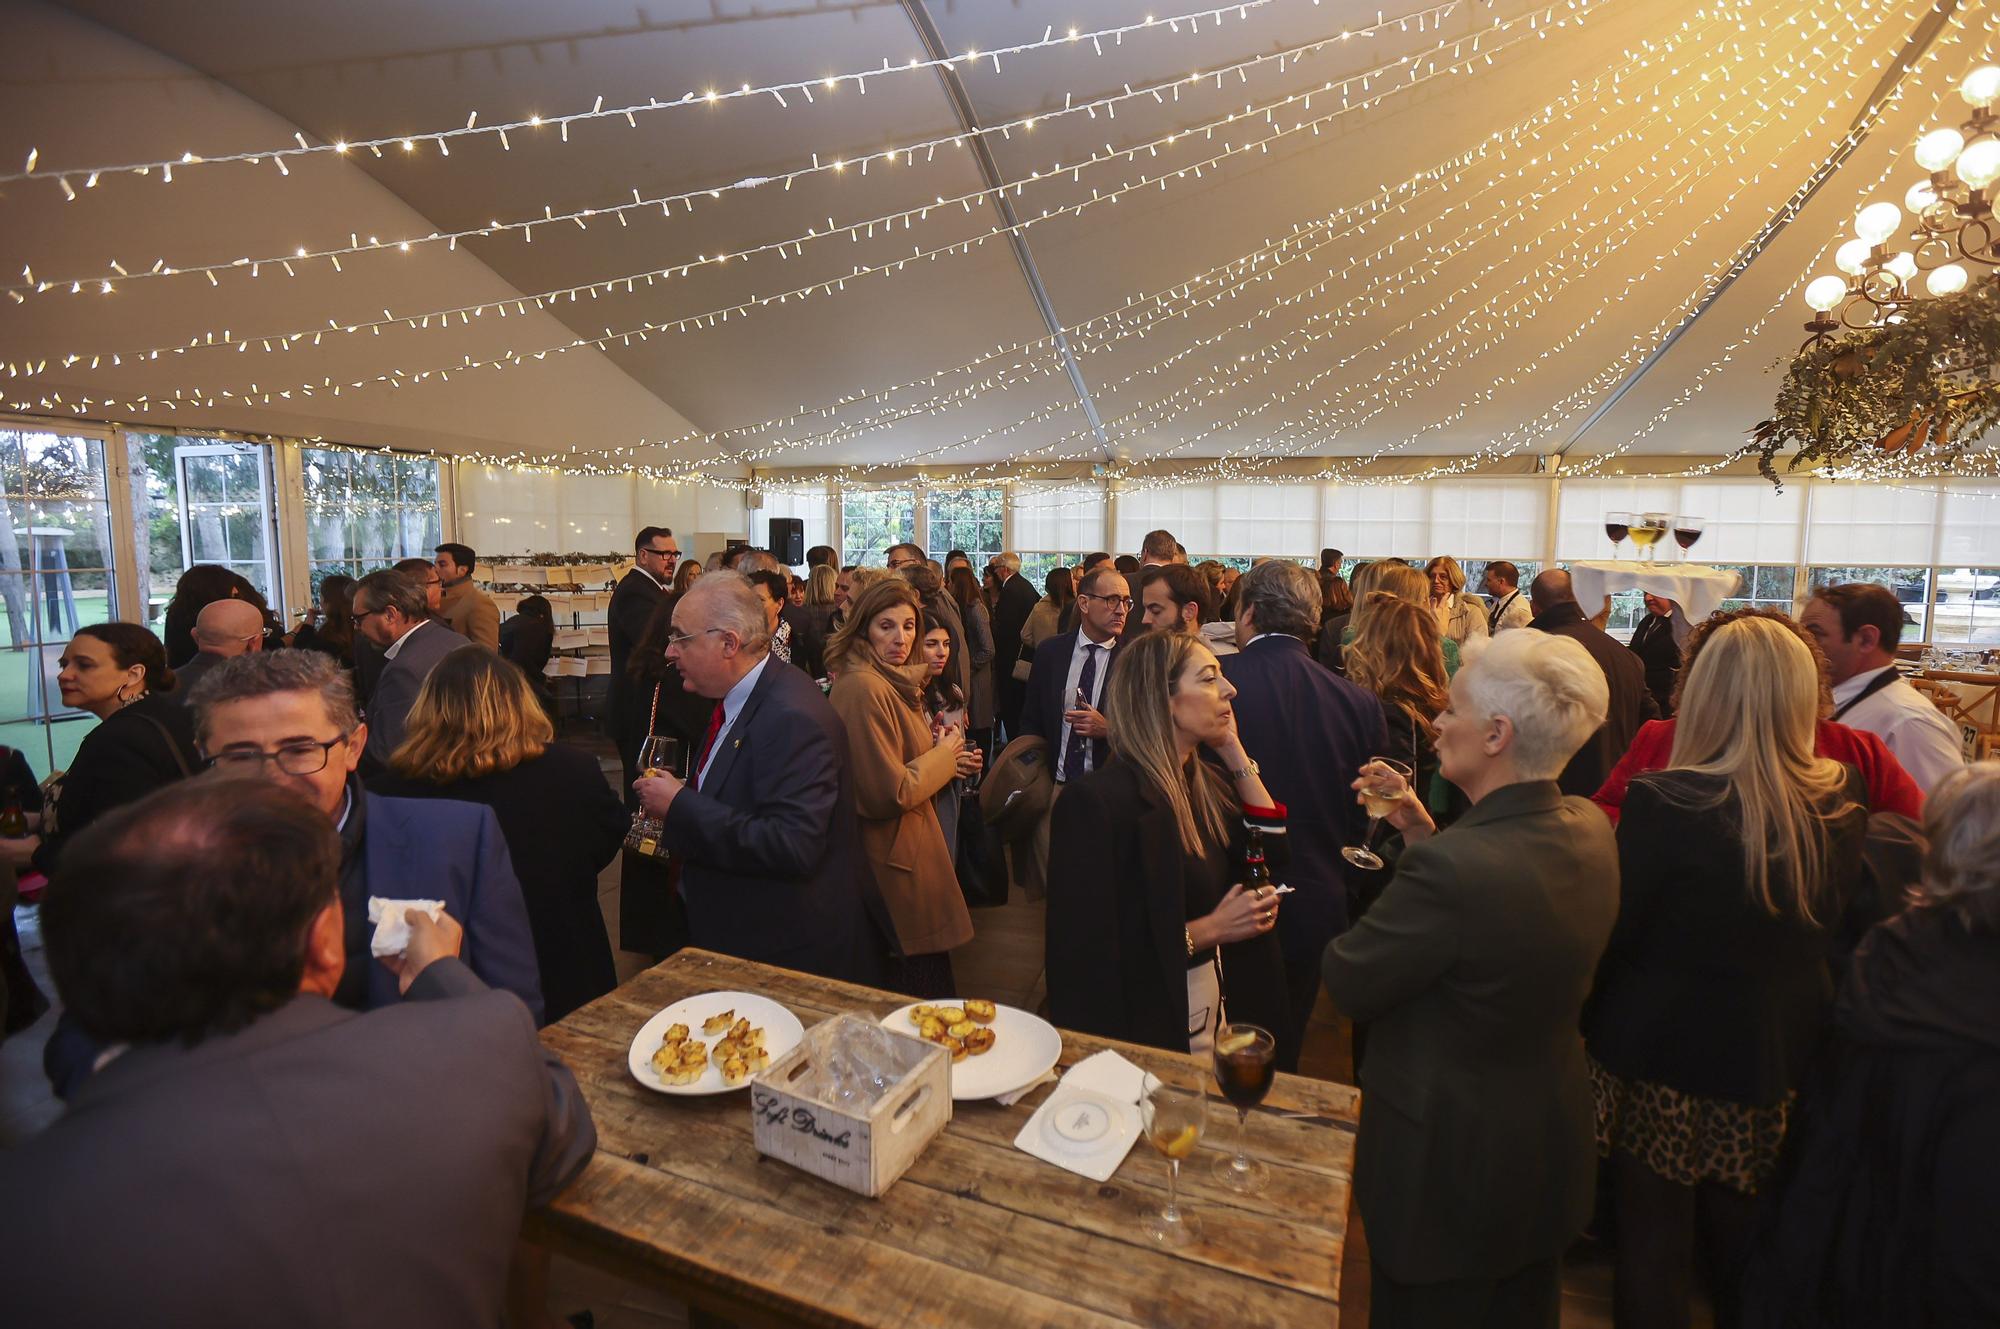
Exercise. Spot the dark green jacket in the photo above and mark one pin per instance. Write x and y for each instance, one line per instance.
(1476, 1154)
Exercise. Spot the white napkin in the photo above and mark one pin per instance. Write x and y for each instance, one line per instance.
(392, 930)
(1091, 1121)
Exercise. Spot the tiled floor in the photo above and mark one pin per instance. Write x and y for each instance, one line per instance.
(1003, 961)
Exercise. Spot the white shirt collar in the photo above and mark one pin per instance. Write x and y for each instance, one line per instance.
(346, 808)
(397, 644)
(1843, 692)
(1260, 636)
(664, 583)
(732, 706)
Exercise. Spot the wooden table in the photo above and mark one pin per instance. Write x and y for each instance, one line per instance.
(976, 1233)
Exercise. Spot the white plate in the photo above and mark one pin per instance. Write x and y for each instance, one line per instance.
(1025, 1046)
(782, 1032)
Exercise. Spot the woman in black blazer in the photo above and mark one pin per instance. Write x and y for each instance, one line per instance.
(477, 734)
(145, 741)
(1145, 855)
(1711, 997)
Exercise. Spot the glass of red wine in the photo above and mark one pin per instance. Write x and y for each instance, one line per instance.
(1617, 525)
(1246, 1062)
(1686, 531)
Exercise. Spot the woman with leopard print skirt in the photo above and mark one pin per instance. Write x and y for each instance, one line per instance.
(1711, 997)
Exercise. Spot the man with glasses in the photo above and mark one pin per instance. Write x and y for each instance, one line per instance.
(223, 630)
(764, 826)
(288, 718)
(389, 613)
(902, 556)
(368, 658)
(1066, 684)
(639, 595)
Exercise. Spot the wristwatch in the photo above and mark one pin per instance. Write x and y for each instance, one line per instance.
(1251, 769)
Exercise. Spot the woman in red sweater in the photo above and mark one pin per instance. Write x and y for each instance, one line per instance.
(1890, 788)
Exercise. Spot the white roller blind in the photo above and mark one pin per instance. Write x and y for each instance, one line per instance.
(1488, 518)
(1971, 518)
(596, 513)
(1377, 521)
(1278, 519)
(1584, 503)
(1865, 524)
(506, 511)
(1747, 521)
(1186, 510)
(1057, 518)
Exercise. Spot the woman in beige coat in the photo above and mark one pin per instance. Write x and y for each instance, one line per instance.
(896, 770)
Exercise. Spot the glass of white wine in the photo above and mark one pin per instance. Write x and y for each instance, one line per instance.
(1174, 1119)
(1387, 779)
(660, 754)
(1646, 532)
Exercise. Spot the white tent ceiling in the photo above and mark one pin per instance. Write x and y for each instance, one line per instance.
(1496, 231)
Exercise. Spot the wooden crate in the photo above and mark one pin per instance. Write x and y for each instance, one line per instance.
(794, 1122)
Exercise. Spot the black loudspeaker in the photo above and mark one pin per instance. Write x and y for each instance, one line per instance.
(788, 540)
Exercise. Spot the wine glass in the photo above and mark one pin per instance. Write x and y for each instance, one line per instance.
(1646, 532)
(1379, 796)
(1174, 1119)
(1246, 1062)
(660, 754)
(1617, 525)
(1687, 530)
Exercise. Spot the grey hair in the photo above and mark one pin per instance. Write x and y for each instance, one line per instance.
(1283, 596)
(389, 589)
(732, 603)
(1962, 866)
(759, 560)
(1550, 689)
(1008, 560)
(266, 673)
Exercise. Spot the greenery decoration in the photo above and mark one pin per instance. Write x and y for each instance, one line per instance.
(1921, 385)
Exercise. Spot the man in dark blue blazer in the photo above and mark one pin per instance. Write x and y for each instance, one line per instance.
(765, 829)
(288, 717)
(1309, 730)
(389, 611)
(1080, 660)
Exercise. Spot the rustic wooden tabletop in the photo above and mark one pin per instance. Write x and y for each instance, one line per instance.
(976, 1233)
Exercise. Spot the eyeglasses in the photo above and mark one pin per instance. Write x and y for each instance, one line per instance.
(358, 619)
(1125, 600)
(683, 638)
(301, 758)
(669, 554)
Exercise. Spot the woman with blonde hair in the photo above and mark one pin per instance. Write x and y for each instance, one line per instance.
(1150, 931)
(1460, 617)
(1399, 657)
(1396, 578)
(897, 769)
(1735, 862)
(476, 734)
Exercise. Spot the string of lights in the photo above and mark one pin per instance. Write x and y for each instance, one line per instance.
(515, 358)
(827, 163)
(284, 155)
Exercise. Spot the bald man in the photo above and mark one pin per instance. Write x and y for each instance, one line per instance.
(1553, 598)
(223, 629)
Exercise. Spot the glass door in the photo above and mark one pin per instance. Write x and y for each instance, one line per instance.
(224, 492)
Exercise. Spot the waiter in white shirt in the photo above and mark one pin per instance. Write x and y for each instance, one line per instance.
(1510, 608)
(1858, 626)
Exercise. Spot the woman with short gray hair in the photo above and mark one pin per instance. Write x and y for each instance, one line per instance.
(1888, 1210)
(1476, 1162)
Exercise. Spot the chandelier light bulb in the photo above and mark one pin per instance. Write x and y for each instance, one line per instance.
(1979, 165)
(1852, 257)
(1936, 149)
(1947, 280)
(1825, 292)
(1981, 86)
(1903, 264)
(1877, 222)
(1920, 197)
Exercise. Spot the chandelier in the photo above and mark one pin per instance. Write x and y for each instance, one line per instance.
(1952, 224)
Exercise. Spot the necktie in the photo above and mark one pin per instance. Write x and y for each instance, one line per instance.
(1076, 753)
(714, 728)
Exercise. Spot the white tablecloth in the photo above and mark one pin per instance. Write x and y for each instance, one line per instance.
(1697, 589)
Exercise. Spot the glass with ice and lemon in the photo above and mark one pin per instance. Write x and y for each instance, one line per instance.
(1174, 1119)
(1246, 1062)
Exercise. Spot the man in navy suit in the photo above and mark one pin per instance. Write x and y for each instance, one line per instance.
(1076, 662)
(1309, 731)
(765, 828)
(389, 610)
(288, 717)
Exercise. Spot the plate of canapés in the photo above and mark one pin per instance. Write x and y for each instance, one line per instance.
(712, 1043)
(994, 1049)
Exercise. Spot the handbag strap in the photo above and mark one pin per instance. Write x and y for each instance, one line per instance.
(173, 748)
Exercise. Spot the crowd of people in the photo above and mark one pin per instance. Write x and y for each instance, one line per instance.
(1690, 941)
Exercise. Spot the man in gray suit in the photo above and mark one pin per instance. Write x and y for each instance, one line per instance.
(390, 611)
(250, 1153)
(1477, 1154)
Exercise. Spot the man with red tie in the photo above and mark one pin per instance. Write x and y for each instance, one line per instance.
(764, 828)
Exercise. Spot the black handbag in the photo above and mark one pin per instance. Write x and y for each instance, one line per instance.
(982, 862)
